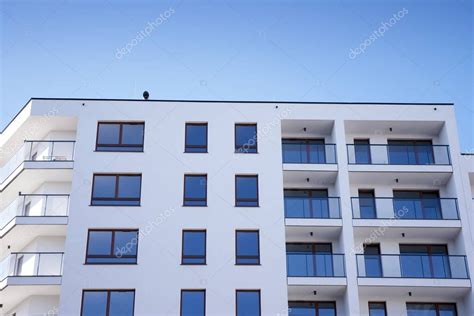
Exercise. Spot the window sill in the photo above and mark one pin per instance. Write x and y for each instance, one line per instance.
(194, 205)
(118, 151)
(194, 264)
(92, 205)
(110, 263)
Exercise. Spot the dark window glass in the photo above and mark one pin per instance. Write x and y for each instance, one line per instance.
(195, 190)
(377, 309)
(247, 247)
(246, 138)
(193, 302)
(367, 204)
(431, 309)
(248, 303)
(196, 138)
(246, 190)
(108, 303)
(362, 151)
(311, 259)
(112, 246)
(312, 309)
(194, 247)
(307, 204)
(424, 261)
(373, 264)
(306, 151)
(116, 190)
(410, 152)
(120, 136)
(417, 205)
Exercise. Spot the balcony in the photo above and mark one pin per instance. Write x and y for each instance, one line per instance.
(422, 164)
(25, 274)
(409, 272)
(416, 218)
(33, 215)
(303, 214)
(321, 272)
(47, 160)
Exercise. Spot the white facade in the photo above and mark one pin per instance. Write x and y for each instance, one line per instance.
(53, 236)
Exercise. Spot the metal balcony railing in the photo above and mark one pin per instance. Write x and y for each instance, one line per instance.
(412, 266)
(30, 264)
(405, 208)
(308, 264)
(311, 207)
(395, 154)
(35, 205)
(39, 150)
(304, 152)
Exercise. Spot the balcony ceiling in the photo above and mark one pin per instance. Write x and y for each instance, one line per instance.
(294, 128)
(419, 128)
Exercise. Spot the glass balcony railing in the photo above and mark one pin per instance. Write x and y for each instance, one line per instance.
(306, 207)
(30, 264)
(395, 154)
(412, 266)
(405, 208)
(304, 152)
(308, 264)
(41, 150)
(35, 205)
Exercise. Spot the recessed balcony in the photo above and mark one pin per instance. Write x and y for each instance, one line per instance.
(414, 218)
(25, 274)
(409, 272)
(33, 215)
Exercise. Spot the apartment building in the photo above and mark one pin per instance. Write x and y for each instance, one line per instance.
(160, 207)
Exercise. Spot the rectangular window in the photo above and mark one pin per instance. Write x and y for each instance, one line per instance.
(377, 309)
(195, 190)
(194, 247)
(246, 190)
(424, 261)
(196, 138)
(312, 309)
(108, 302)
(193, 303)
(410, 152)
(362, 151)
(112, 247)
(417, 205)
(431, 309)
(116, 189)
(246, 138)
(247, 248)
(367, 206)
(120, 136)
(247, 303)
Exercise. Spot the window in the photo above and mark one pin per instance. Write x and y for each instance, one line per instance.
(194, 247)
(424, 261)
(196, 138)
(367, 207)
(112, 247)
(120, 136)
(308, 151)
(308, 204)
(312, 309)
(108, 302)
(377, 309)
(193, 303)
(248, 303)
(417, 205)
(373, 262)
(362, 151)
(246, 138)
(431, 309)
(247, 249)
(313, 259)
(410, 152)
(195, 190)
(246, 190)
(116, 189)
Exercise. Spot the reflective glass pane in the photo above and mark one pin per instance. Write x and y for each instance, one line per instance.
(196, 137)
(246, 138)
(193, 303)
(104, 187)
(195, 190)
(248, 303)
(247, 190)
(94, 303)
(126, 243)
(194, 245)
(129, 186)
(247, 246)
(132, 134)
(99, 243)
(377, 309)
(108, 134)
(121, 303)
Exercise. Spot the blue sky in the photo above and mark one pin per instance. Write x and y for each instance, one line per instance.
(240, 50)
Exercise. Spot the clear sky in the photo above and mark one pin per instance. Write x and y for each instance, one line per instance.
(240, 50)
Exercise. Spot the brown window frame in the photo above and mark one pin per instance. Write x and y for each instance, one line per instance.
(190, 290)
(112, 244)
(120, 143)
(248, 290)
(247, 257)
(186, 146)
(108, 291)
(187, 199)
(241, 149)
(237, 200)
(183, 256)
(116, 197)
